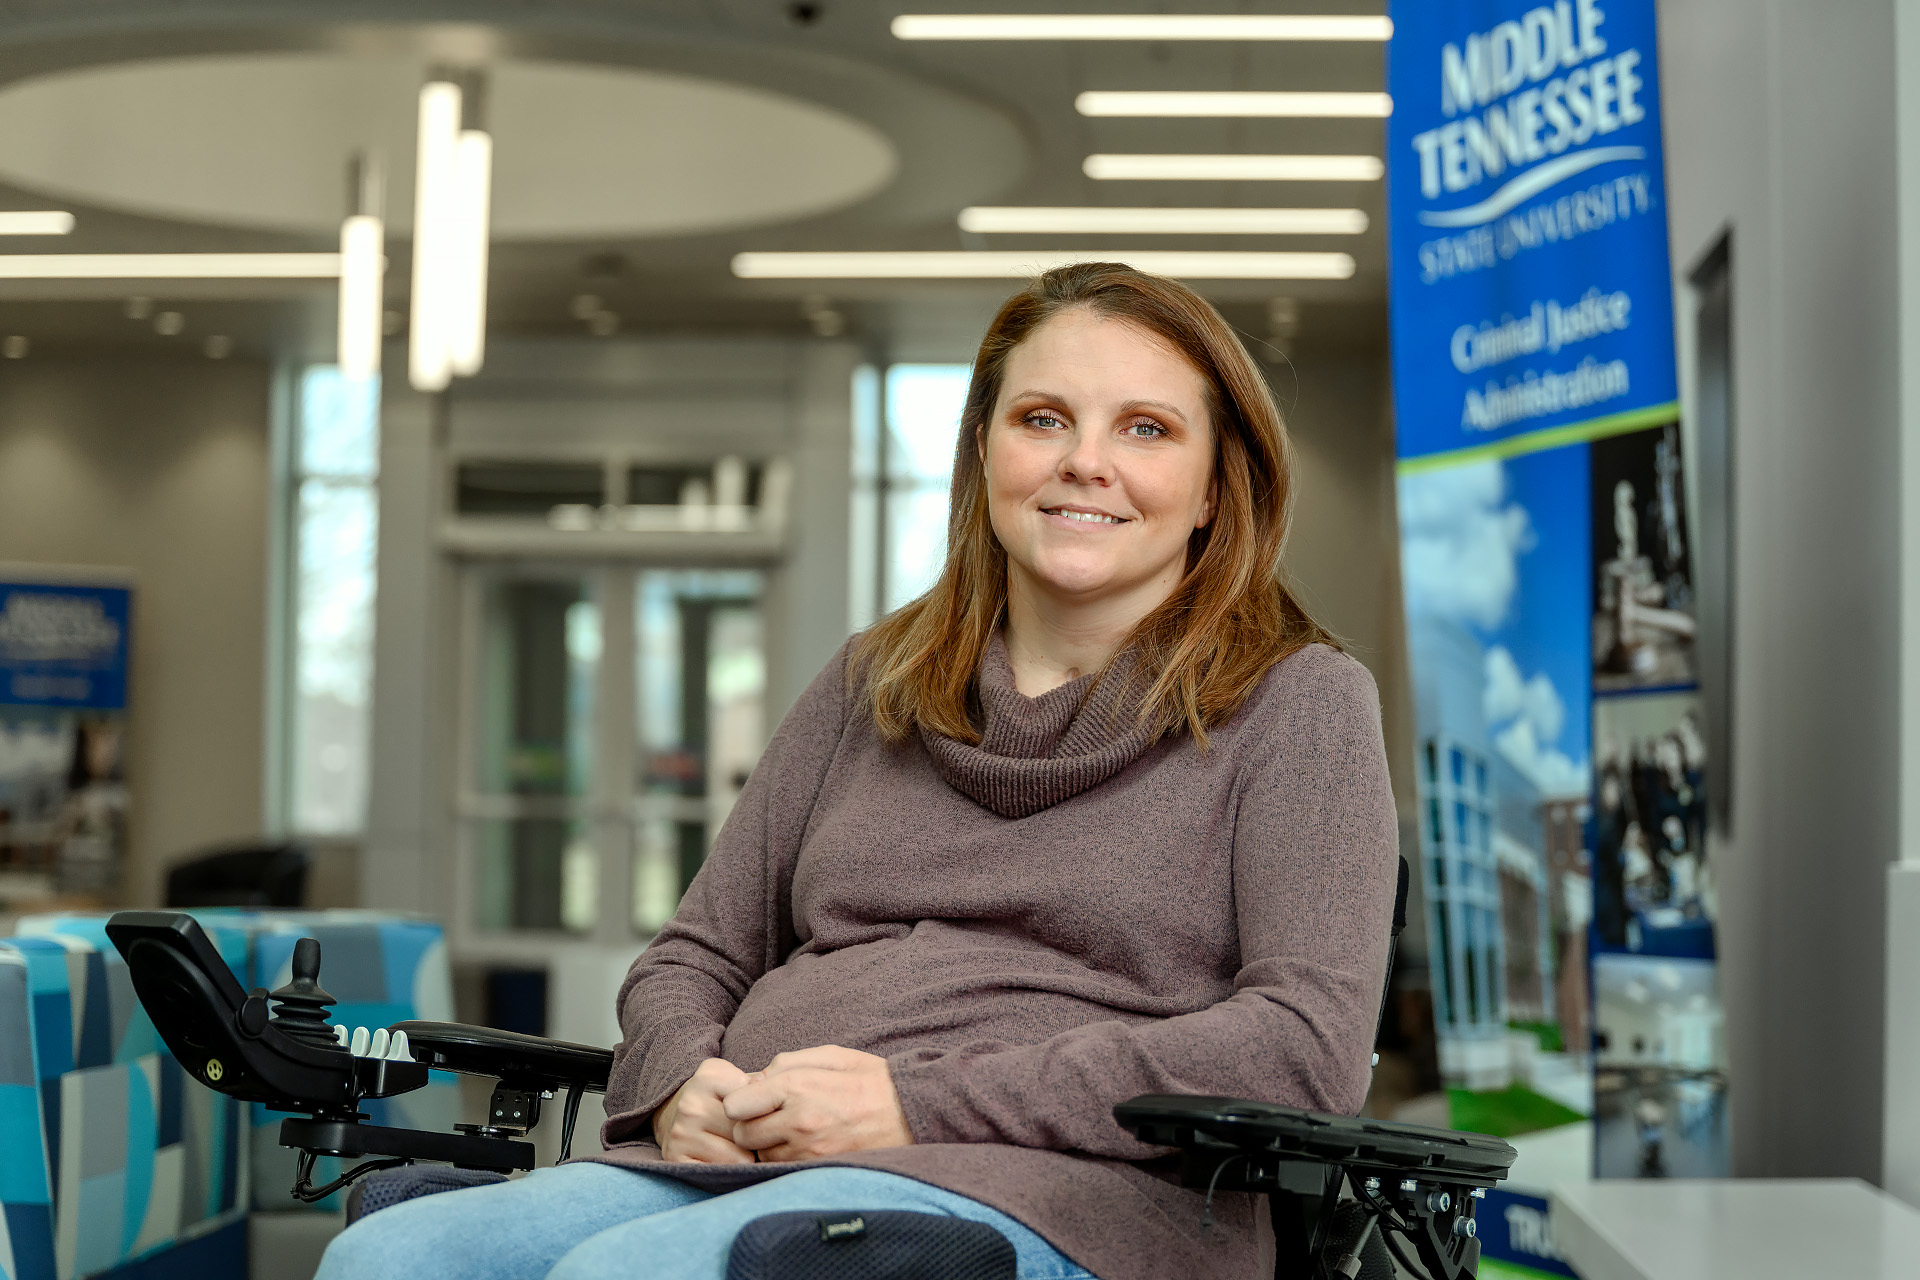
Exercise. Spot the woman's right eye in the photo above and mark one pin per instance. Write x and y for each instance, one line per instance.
(1042, 419)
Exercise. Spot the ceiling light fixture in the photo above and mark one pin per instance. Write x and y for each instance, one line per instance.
(474, 168)
(435, 233)
(1221, 105)
(1136, 26)
(363, 270)
(169, 266)
(962, 265)
(1227, 168)
(994, 220)
(452, 193)
(36, 222)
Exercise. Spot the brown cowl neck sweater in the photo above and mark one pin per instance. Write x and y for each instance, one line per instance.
(1036, 928)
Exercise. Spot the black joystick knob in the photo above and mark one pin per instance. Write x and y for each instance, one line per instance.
(300, 1007)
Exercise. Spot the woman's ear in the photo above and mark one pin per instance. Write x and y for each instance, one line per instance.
(1210, 505)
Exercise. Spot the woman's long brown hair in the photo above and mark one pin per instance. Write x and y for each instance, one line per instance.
(1232, 616)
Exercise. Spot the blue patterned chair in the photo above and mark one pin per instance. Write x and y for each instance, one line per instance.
(112, 1161)
(381, 967)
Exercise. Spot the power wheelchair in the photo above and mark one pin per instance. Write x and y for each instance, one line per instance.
(1337, 1187)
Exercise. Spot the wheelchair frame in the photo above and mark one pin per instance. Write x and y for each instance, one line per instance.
(277, 1049)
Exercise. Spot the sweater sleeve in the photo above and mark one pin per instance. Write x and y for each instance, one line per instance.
(735, 921)
(1314, 844)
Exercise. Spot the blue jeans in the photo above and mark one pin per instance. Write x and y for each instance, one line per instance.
(598, 1222)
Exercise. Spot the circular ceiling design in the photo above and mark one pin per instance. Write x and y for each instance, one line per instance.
(580, 152)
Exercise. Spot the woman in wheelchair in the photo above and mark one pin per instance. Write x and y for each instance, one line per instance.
(1104, 813)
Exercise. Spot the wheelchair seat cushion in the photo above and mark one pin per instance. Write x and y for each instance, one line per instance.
(388, 1187)
(857, 1244)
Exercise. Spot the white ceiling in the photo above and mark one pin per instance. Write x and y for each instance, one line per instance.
(580, 152)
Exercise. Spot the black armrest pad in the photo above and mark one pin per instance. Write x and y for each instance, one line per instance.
(1213, 1124)
(523, 1062)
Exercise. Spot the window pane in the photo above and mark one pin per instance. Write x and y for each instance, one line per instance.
(339, 424)
(916, 542)
(506, 488)
(667, 857)
(335, 532)
(701, 673)
(923, 419)
(700, 679)
(863, 560)
(866, 424)
(536, 873)
(540, 653)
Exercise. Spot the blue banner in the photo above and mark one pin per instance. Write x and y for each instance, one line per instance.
(1570, 899)
(64, 646)
(1527, 233)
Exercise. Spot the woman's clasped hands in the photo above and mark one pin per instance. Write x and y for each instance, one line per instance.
(805, 1105)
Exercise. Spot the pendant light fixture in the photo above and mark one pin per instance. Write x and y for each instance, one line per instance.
(452, 193)
(363, 270)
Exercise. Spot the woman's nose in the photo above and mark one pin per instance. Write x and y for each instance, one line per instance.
(1088, 460)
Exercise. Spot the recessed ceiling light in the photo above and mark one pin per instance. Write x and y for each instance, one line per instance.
(988, 220)
(962, 265)
(1139, 26)
(169, 266)
(1217, 105)
(36, 222)
(1225, 168)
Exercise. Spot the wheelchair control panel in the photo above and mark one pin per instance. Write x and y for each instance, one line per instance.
(277, 1048)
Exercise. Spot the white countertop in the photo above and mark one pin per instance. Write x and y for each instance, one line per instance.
(1736, 1229)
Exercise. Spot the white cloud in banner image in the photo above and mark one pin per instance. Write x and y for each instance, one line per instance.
(1533, 714)
(35, 749)
(1460, 539)
(1509, 693)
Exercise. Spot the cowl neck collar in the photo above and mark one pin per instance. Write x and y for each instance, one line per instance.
(1035, 752)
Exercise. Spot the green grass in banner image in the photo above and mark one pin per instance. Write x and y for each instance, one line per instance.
(1507, 1112)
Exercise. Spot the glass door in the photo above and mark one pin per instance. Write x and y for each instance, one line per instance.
(611, 717)
(701, 676)
(527, 807)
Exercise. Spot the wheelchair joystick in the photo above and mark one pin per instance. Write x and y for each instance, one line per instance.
(300, 1007)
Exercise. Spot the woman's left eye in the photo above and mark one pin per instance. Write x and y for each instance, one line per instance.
(1145, 429)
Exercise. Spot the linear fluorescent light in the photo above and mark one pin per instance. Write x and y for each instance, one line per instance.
(1156, 103)
(991, 220)
(467, 328)
(436, 227)
(36, 222)
(169, 266)
(363, 268)
(1158, 26)
(1228, 168)
(951, 265)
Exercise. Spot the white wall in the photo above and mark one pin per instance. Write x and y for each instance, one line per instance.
(160, 467)
(1344, 552)
(1779, 122)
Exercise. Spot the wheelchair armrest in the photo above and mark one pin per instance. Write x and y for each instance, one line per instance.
(516, 1060)
(1215, 1126)
(1413, 1182)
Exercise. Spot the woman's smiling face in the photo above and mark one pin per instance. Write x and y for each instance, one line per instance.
(1098, 460)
